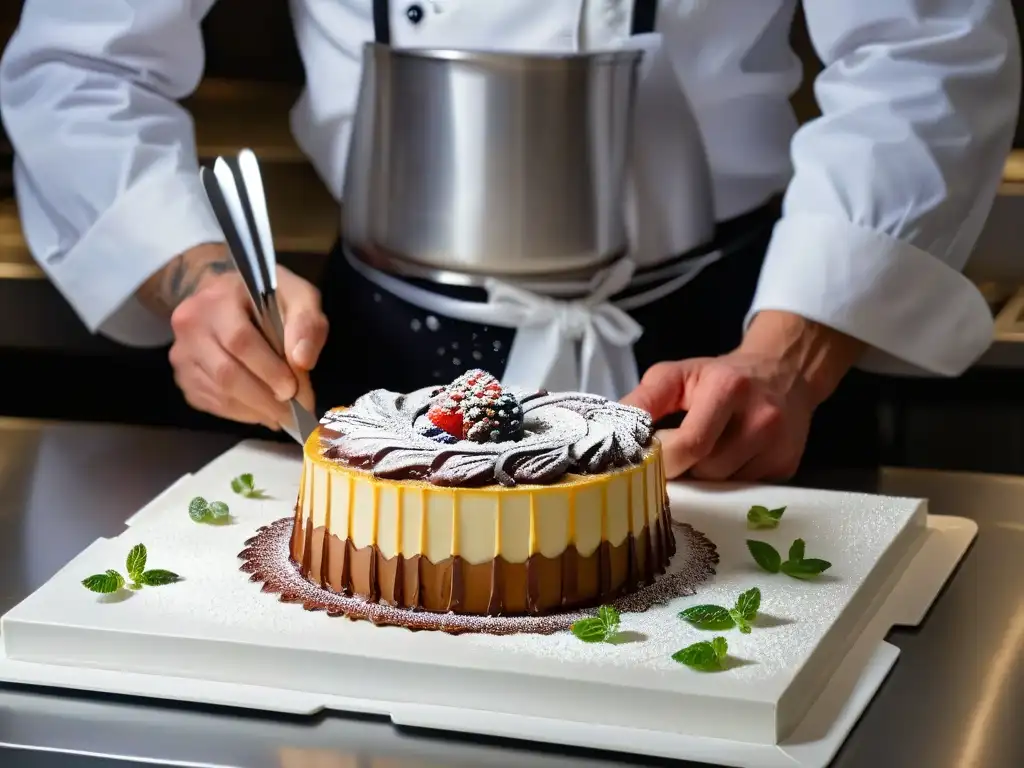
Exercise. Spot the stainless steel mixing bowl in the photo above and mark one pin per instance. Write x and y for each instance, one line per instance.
(490, 163)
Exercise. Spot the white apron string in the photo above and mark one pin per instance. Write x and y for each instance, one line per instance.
(583, 345)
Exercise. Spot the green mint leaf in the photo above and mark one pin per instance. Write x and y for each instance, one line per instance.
(199, 510)
(765, 555)
(157, 578)
(244, 485)
(741, 623)
(590, 630)
(796, 551)
(711, 617)
(136, 562)
(748, 603)
(117, 577)
(704, 656)
(600, 628)
(805, 569)
(721, 648)
(219, 510)
(203, 511)
(762, 517)
(700, 656)
(609, 617)
(104, 583)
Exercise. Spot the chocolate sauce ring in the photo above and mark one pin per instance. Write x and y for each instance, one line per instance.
(266, 559)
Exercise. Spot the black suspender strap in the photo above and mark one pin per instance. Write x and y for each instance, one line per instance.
(645, 13)
(382, 22)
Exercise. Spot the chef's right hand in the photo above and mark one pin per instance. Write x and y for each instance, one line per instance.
(221, 361)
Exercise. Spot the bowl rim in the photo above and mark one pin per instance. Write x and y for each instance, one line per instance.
(509, 58)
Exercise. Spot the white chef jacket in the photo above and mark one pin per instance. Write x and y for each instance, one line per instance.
(887, 191)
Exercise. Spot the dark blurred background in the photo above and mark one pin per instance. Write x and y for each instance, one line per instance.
(51, 368)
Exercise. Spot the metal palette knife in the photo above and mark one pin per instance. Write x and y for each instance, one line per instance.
(235, 190)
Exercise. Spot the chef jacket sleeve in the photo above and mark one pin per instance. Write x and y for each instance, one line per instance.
(106, 170)
(892, 184)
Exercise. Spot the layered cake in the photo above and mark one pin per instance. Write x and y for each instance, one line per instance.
(476, 499)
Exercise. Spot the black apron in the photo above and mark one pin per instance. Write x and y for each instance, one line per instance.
(380, 341)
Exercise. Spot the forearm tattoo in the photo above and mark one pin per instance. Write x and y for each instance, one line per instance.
(182, 279)
(169, 287)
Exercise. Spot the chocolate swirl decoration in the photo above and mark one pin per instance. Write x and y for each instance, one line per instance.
(563, 433)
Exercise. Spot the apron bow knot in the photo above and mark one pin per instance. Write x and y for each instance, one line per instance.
(582, 345)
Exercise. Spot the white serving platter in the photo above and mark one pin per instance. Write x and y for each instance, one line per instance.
(216, 638)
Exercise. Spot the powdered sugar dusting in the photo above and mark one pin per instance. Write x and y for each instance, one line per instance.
(388, 433)
(268, 562)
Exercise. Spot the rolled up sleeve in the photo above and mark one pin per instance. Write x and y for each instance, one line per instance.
(893, 183)
(106, 170)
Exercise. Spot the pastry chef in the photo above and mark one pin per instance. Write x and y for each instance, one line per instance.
(841, 242)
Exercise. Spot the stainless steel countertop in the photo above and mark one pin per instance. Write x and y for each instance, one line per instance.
(950, 701)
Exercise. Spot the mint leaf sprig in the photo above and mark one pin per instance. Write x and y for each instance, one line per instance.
(112, 581)
(797, 566)
(705, 656)
(715, 617)
(203, 511)
(598, 629)
(762, 517)
(245, 486)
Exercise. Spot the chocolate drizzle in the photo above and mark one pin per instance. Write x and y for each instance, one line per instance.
(458, 586)
(385, 433)
(494, 601)
(537, 586)
(266, 559)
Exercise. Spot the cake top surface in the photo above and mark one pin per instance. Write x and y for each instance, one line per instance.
(475, 432)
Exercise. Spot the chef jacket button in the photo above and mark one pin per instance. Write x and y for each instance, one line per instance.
(414, 13)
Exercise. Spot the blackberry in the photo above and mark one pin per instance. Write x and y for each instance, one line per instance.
(492, 417)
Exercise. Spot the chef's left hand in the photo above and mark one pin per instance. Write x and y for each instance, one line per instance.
(747, 412)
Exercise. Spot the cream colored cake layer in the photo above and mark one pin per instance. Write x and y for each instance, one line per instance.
(478, 524)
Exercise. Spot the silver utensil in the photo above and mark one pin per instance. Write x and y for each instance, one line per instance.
(253, 194)
(240, 207)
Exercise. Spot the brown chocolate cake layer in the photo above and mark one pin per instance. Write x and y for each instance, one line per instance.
(537, 586)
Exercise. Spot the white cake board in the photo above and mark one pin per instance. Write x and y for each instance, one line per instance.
(217, 639)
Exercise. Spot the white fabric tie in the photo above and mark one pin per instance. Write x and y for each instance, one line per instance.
(544, 354)
(584, 345)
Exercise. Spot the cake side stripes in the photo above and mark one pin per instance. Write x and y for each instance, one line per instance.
(649, 541)
(300, 504)
(570, 561)
(495, 602)
(346, 558)
(398, 590)
(604, 564)
(325, 548)
(629, 581)
(532, 586)
(307, 546)
(374, 525)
